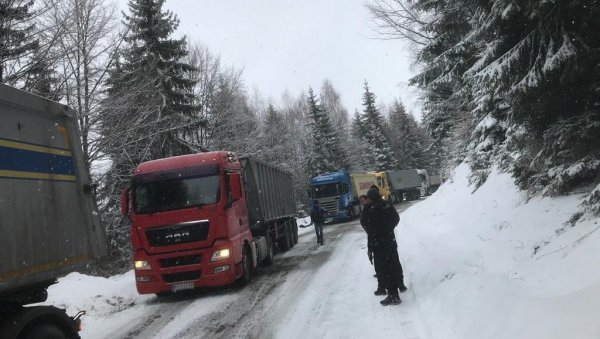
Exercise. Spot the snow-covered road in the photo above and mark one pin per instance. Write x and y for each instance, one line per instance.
(311, 291)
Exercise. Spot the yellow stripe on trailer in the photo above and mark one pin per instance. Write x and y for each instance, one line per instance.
(36, 175)
(34, 148)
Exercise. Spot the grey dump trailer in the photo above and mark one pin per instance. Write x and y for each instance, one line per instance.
(49, 223)
(270, 203)
(404, 184)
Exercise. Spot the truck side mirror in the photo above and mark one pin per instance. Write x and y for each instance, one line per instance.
(125, 201)
(235, 185)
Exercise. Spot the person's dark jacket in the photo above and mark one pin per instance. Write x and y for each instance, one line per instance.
(380, 219)
(363, 216)
(317, 214)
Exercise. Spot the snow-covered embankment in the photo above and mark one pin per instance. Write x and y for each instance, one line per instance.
(492, 264)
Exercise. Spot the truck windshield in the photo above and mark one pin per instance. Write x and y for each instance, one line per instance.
(326, 190)
(175, 193)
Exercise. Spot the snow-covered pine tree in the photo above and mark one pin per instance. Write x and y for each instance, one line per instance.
(408, 140)
(373, 126)
(232, 123)
(148, 107)
(275, 138)
(536, 85)
(41, 79)
(525, 72)
(360, 157)
(152, 51)
(17, 39)
(332, 104)
(327, 154)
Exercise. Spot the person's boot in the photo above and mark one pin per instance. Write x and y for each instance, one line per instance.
(402, 288)
(380, 291)
(391, 300)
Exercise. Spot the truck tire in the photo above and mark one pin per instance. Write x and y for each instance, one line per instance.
(45, 330)
(295, 231)
(284, 241)
(291, 233)
(246, 267)
(270, 250)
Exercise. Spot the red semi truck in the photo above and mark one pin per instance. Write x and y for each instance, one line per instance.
(206, 220)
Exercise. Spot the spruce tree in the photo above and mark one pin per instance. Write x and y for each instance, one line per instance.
(16, 37)
(327, 154)
(407, 139)
(153, 52)
(147, 109)
(373, 127)
(275, 145)
(41, 79)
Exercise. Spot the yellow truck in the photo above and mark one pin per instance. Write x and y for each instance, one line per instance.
(384, 186)
(361, 183)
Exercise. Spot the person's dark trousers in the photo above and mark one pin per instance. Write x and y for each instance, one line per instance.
(380, 283)
(319, 231)
(396, 268)
(388, 266)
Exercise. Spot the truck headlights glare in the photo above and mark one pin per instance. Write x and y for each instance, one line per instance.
(220, 255)
(142, 265)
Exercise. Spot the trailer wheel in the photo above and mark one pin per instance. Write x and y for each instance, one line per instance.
(284, 241)
(46, 330)
(291, 233)
(295, 231)
(270, 250)
(246, 269)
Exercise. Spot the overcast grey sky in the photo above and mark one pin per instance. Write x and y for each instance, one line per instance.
(294, 44)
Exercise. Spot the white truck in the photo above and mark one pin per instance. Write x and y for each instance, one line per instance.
(425, 183)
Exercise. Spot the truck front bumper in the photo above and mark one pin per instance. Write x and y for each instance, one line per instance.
(182, 270)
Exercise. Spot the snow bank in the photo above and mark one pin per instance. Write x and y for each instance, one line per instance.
(491, 264)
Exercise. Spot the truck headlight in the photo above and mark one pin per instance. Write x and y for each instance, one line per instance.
(220, 255)
(142, 265)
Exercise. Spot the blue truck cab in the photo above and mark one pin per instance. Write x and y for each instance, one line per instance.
(334, 193)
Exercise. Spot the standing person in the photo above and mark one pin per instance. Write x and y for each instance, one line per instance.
(362, 201)
(380, 220)
(365, 203)
(317, 215)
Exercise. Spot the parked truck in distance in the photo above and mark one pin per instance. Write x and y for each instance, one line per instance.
(404, 184)
(425, 182)
(50, 225)
(206, 219)
(435, 181)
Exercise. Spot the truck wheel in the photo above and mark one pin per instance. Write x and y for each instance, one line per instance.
(291, 234)
(295, 231)
(270, 250)
(246, 269)
(284, 241)
(45, 330)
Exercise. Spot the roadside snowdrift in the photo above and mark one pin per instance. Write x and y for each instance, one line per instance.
(491, 264)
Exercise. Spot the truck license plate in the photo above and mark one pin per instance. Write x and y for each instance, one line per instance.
(182, 286)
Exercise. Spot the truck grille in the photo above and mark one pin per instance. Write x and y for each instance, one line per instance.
(182, 276)
(330, 206)
(178, 234)
(180, 261)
